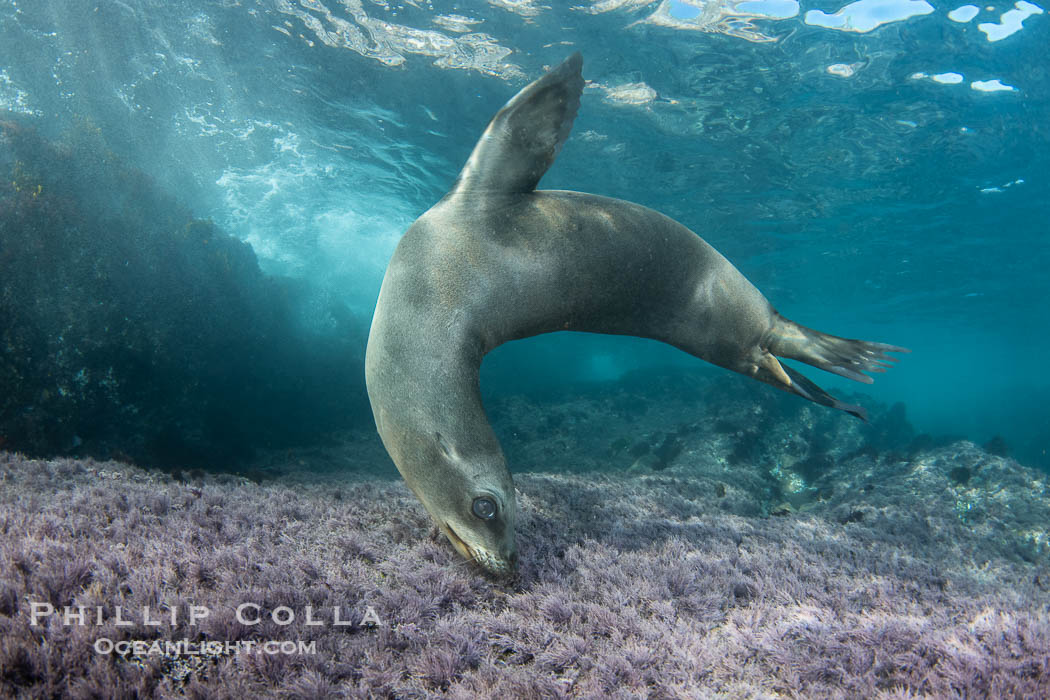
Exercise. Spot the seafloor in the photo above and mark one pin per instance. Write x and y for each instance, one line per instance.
(678, 539)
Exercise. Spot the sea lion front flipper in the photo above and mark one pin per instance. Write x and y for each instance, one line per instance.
(524, 137)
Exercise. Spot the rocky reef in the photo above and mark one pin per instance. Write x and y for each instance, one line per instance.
(131, 329)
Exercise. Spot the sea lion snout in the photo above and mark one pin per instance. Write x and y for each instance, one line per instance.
(502, 561)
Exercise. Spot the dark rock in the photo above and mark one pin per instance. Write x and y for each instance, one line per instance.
(997, 446)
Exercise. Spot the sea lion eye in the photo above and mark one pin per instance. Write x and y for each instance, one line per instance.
(484, 508)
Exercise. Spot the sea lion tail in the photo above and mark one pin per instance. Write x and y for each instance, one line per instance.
(842, 356)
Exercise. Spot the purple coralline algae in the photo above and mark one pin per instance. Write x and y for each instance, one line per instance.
(914, 575)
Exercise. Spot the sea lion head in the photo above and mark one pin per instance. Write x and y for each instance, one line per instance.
(470, 498)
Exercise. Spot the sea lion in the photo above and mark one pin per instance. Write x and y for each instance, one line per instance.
(497, 260)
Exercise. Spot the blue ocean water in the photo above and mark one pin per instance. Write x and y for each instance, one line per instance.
(879, 169)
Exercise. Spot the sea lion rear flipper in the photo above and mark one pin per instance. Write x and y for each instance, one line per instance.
(842, 356)
(524, 137)
(770, 371)
(808, 390)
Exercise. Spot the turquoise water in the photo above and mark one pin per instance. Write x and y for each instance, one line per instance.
(879, 169)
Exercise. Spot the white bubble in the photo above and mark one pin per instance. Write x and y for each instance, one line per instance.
(991, 86)
(866, 15)
(843, 70)
(963, 13)
(1010, 22)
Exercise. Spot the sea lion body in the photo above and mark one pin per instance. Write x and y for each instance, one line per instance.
(496, 260)
(553, 260)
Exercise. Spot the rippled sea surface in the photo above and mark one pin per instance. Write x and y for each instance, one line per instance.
(878, 168)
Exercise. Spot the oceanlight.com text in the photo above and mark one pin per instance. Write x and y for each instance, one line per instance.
(185, 647)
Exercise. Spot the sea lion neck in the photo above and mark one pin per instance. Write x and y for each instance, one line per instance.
(438, 396)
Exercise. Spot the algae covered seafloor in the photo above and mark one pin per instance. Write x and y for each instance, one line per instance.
(749, 545)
